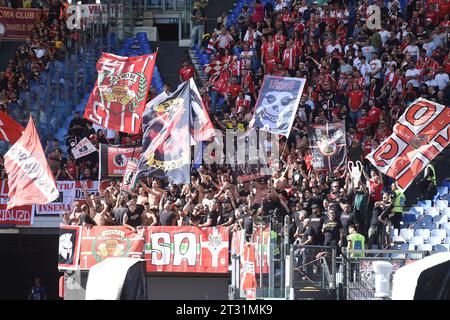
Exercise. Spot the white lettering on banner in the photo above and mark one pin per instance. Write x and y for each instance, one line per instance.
(15, 215)
(94, 116)
(160, 250)
(34, 170)
(91, 12)
(184, 250)
(214, 245)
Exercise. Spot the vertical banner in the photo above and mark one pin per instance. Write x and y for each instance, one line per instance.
(419, 135)
(119, 95)
(130, 176)
(277, 104)
(186, 249)
(166, 143)
(248, 276)
(69, 247)
(328, 146)
(99, 243)
(18, 24)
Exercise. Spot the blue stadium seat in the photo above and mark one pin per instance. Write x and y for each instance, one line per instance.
(442, 247)
(406, 234)
(416, 240)
(434, 240)
(424, 233)
(425, 204)
(417, 211)
(409, 218)
(439, 233)
(446, 226)
(442, 190)
(440, 219)
(424, 247)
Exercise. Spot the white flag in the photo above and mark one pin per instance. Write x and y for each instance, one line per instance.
(83, 148)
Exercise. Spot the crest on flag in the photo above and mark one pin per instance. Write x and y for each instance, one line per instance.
(419, 135)
(119, 96)
(328, 146)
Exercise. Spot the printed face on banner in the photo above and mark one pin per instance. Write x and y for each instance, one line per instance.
(277, 104)
(68, 249)
(420, 134)
(100, 243)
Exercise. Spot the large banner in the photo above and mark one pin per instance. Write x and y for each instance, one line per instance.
(261, 241)
(69, 247)
(114, 160)
(327, 143)
(120, 93)
(99, 243)
(23, 215)
(277, 104)
(18, 24)
(419, 135)
(30, 179)
(186, 249)
(167, 141)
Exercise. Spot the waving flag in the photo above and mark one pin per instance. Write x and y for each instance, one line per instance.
(328, 146)
(119, 96)
(166, 142)
(419, 135)
(10, 130)
(30, 179)
(83, 148)
(202, 125)
(277, 104)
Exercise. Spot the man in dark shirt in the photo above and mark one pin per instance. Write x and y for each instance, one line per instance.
(213, 215)
(120, 211)
(305, 254)
(77, 126)
(347, 218)
(317, 220)
(332, 230)
(132, 217)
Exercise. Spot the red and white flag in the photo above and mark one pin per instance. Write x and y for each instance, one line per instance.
(120, 93)
(30, 179)
(10, 130)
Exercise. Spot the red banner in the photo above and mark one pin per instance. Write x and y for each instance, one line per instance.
(17, 24)
(120, 93)
(420, 134)
(23, 215)
(99, 243)
(186, 249)
(114, 160)
(248, 277)
(261, 241)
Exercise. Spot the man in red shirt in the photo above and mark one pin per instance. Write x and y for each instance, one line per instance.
(355, 102)
(186, 71)
(373, 116)
(234, 88)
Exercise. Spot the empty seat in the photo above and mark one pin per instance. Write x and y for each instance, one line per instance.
(417, 211)
(434, 240)
(440, 233)
(447, 240)
(416, 240)
(432, 211)
(409, 218)
(440, 219)
(446, 212)
(425, 247)
(424, 233)
(425, 219)
(442, 190)
(446, 226)
(424, 204)
(441, 204)
(442, 247)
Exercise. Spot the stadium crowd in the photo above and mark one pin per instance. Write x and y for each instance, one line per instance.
(362, 75)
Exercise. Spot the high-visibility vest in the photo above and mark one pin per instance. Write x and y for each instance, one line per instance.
(358, 241)
(432, 174)
(248, 262)
(399, 202)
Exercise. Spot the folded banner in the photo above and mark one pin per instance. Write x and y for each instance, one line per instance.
(83, 148)
(69, 247)
(186, 249)
(23, 215)
(167, 141)
(328, 146)
(419, 135)
(99, 243)
(30, 179)
(10, 130)
(277, 104)
(114, 160)
(119, 95)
